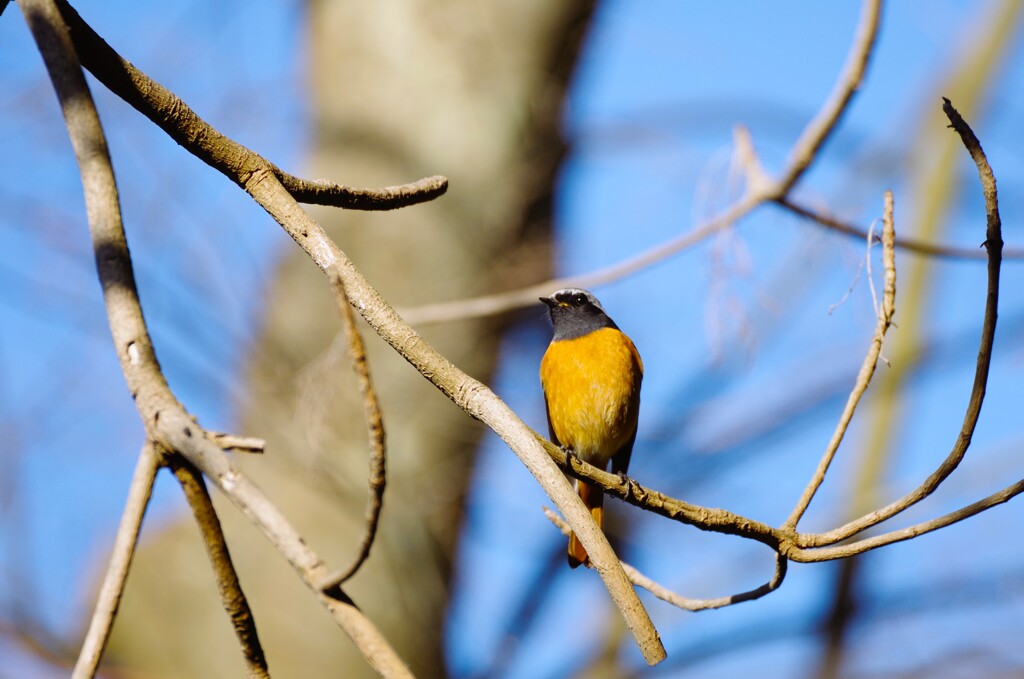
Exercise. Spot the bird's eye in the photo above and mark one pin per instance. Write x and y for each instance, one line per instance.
(580, 299)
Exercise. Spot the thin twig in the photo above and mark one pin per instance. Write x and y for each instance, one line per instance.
(677, 600)
(375, 429)
(759, 191)
(166, 421)
(993, 244)
(231, 595)
(502, 302)
(238, 444)
(867, 368)
(806, 148)
(903, 243)
(121, 555)
(848, 549)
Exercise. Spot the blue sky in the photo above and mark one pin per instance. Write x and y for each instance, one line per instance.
(728, 330)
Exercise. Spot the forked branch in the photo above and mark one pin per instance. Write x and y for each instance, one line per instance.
(168, 425)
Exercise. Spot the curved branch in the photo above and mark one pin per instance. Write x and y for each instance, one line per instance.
(679, 601)
(321, 192)
(867, 544)
(232, 159)
(375, 428)
(994, 246)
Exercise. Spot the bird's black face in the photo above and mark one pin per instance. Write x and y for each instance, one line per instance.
(575, 312)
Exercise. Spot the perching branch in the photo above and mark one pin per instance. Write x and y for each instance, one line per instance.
(261, 180)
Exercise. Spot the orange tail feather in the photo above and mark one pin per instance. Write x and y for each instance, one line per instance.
(593, 498)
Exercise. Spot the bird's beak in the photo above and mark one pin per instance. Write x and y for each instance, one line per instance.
(550, 302)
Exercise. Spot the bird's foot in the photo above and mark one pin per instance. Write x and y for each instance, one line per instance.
(570, 456)
(631, 485)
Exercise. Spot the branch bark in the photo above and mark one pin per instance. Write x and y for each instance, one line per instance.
(102, 621)
(260, 179)
(375, 428)
(167, 423)
(232, 597)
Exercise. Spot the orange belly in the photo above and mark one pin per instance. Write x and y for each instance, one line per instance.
(592, 387)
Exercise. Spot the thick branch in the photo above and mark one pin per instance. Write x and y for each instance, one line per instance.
(167, 423)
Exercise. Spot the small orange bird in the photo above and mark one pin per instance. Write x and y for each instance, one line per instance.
(591, 375)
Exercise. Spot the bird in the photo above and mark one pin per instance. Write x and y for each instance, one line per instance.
(590, 374)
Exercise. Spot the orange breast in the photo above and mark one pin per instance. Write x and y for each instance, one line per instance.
(592, 387)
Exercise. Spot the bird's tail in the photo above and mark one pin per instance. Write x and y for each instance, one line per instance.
(593, 498)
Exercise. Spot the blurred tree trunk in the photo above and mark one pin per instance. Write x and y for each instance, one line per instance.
(399, 90)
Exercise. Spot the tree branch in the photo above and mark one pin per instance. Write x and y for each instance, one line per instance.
(679, 601)
(375, 428)
(261, 180)
(867, 369)
(232, 159)
(911, 245)
(167, 422)
(231, 594)
(109, 598)
(801, 156)
(994, 245)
